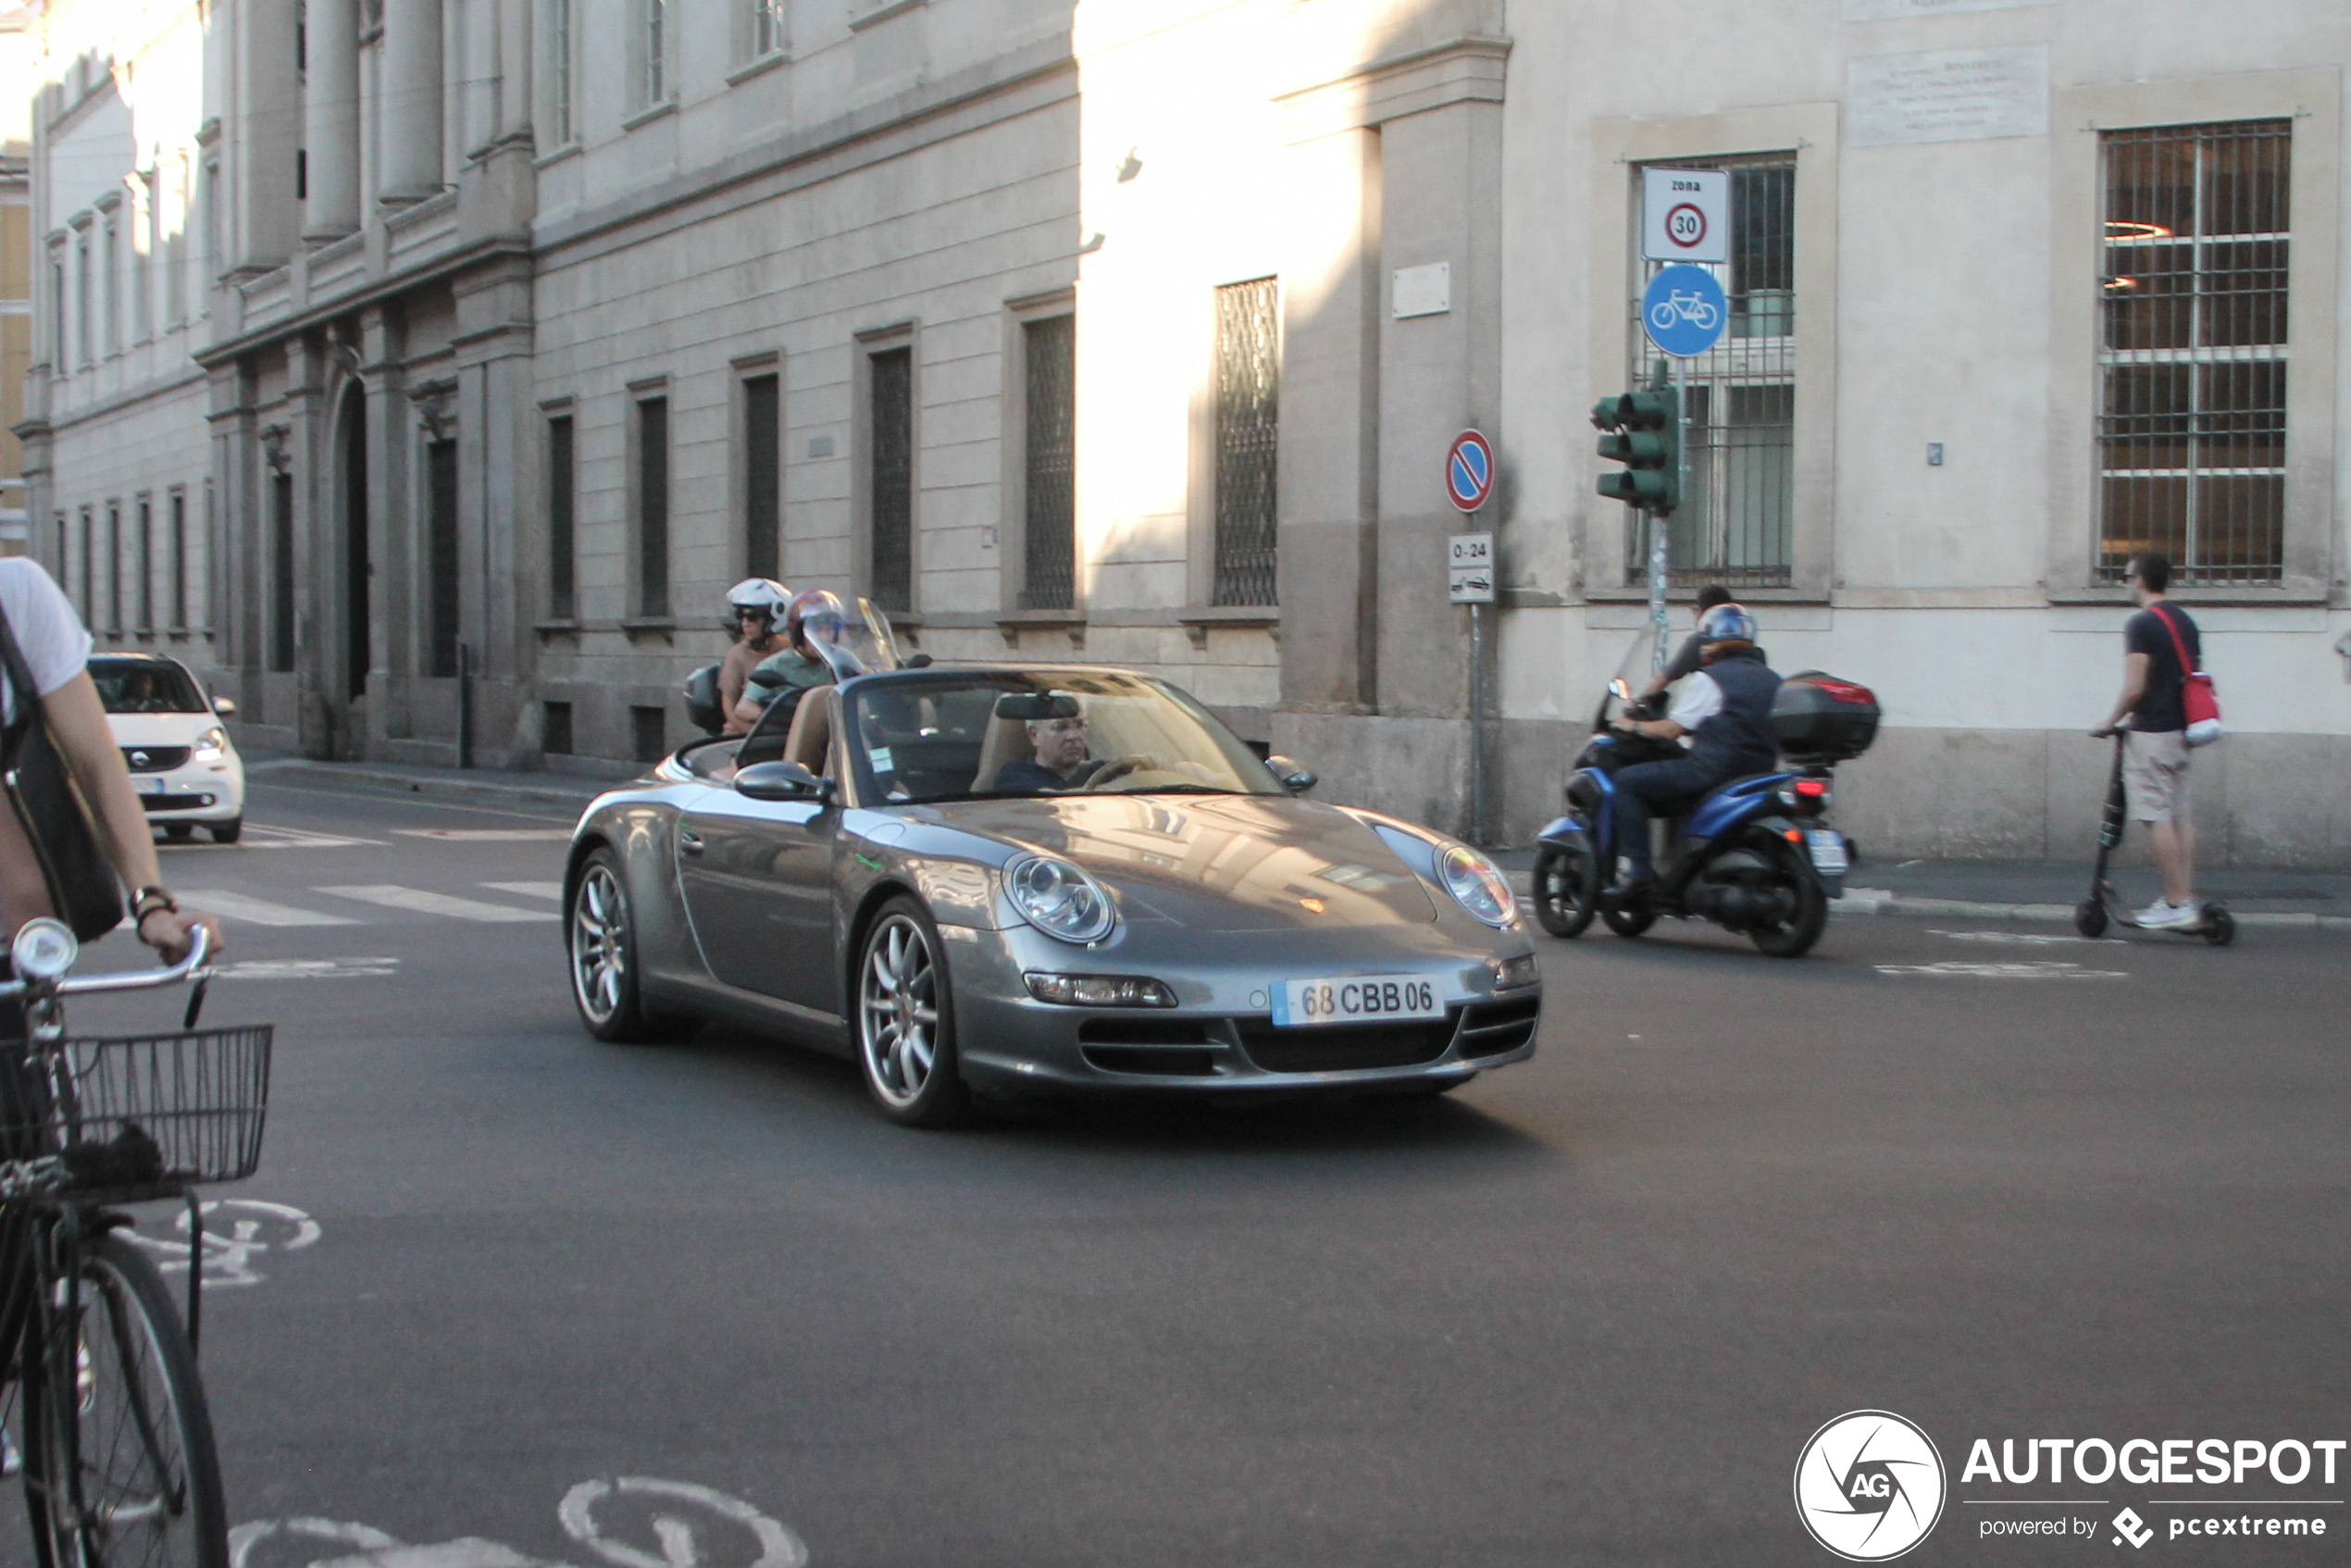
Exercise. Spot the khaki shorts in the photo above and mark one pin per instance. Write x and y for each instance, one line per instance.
(2155, 775)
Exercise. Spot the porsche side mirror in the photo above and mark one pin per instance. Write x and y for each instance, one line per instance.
(781, 781)
(224, 707)
(1291, 777)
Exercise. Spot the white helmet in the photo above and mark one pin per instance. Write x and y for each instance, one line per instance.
(760, 593)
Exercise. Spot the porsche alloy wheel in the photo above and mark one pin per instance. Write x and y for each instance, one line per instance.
(905, 1019)
(603, 959)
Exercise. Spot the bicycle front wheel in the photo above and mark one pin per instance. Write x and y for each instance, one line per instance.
(120, 1471)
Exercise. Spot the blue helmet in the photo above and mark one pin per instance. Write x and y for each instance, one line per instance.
(1725, 623)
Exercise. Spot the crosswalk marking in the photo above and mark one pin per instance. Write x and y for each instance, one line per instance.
(263, 835)
(393, 896)
(530, 889)
(489, 835)
(260, 912)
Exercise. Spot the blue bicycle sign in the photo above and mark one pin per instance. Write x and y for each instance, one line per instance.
(1683, 310)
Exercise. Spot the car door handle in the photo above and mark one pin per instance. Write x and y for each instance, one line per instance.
(689, 841)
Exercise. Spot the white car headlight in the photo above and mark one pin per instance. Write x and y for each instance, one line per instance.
(1058, 899)
(1478, 885)
(210, 743)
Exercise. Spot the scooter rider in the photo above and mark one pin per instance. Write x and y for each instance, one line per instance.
(1725, 708)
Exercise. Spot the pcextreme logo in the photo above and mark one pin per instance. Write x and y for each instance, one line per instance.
(1869, 1486)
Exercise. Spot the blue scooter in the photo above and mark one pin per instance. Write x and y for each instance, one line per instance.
(1757, 855)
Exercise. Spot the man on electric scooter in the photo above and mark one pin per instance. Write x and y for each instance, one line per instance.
(1725, 709)
(2161, 648)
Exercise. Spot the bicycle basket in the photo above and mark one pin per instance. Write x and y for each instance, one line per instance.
(201, 1095)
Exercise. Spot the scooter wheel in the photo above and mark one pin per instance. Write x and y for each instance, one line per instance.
(1629, 921)
(2089, 918)
(2219, 926)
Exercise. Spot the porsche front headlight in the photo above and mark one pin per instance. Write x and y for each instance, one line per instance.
(1478, 885)
(1058, 899)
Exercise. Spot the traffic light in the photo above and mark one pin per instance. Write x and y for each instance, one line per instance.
(1645, 435)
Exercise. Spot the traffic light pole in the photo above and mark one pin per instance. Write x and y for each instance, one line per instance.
(1658, 572)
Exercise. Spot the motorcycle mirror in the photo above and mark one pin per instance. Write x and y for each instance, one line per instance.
(1621, 689)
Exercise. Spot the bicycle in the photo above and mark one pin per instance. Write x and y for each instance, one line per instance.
(1692, 307)
(118, 1455)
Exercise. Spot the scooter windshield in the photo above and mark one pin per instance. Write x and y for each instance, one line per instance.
(853, 641)
(1631, 674)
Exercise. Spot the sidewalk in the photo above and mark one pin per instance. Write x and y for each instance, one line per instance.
(1987, 890)
(537, 794)
(1951, 889)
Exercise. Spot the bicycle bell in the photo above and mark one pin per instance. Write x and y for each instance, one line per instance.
(44, 949)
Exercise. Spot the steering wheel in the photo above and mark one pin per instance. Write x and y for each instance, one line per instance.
(1121, 767)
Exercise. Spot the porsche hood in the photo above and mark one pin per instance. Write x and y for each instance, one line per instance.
(1226, 863)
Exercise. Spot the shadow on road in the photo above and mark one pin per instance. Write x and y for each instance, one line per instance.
(1139, 1122)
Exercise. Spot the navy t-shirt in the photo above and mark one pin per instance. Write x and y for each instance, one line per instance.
(2161, 707)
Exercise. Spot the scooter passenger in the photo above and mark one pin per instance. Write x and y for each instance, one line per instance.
(1725, 710)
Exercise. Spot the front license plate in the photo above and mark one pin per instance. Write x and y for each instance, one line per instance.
(1828, 853)
(1355, 999)
(149, 785)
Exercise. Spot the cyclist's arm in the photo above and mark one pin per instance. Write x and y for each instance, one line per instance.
(78, 723)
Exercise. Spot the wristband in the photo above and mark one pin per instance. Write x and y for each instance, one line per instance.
(150, 901)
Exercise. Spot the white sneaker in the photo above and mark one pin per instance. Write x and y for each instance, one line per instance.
(2154, 914)
(2166, 915)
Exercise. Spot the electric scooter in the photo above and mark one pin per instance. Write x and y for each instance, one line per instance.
(2091, 915)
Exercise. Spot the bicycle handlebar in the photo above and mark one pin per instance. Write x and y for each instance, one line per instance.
(199, 949)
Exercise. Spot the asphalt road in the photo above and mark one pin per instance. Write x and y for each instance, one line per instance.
(1587, 1310)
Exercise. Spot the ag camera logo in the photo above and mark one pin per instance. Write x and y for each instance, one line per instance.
(1869, 1486)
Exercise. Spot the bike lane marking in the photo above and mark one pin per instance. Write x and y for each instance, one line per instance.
(680, 1538)
(236, 1229)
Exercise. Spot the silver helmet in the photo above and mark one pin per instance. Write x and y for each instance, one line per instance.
(759, 593)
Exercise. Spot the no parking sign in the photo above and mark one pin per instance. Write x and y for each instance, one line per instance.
(1469, 472)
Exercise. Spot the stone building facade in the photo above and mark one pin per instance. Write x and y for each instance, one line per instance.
(429, 367)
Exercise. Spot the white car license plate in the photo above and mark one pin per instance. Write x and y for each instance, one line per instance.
(149, 784)
(1355, 999)
(1828, 853)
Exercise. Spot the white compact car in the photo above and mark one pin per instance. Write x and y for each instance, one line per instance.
(170, 732)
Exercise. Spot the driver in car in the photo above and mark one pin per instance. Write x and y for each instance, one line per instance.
(1058, 760)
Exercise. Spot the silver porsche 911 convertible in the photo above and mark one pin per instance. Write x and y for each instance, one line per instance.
(1009, 877)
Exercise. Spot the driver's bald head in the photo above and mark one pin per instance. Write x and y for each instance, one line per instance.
(1058, 743)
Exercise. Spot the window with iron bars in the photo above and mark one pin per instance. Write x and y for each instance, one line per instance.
(1734, 524)
(1050, 465)
(2192, 357)
(1248, 385)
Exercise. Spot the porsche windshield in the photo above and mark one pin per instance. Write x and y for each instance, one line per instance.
(947, 735)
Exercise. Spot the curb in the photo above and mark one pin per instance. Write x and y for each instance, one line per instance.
(1869, 900)
(1861, 901)
(538, 798)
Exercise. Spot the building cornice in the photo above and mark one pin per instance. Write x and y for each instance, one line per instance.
(1468, 69)
(1017, 82)
(439, 265)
